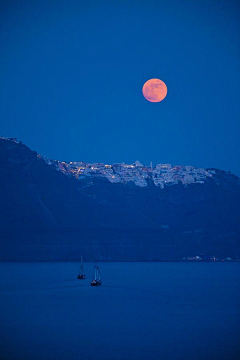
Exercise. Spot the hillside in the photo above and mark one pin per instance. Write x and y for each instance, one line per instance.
(47, 214)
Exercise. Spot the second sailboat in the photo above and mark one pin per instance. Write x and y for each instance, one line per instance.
(97, 277)
(81, 274)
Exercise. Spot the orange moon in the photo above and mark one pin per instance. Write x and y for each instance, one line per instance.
(154, 90)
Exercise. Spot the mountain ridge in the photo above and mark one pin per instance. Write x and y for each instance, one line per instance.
(46, 215)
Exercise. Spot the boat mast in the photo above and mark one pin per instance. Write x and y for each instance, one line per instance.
(95, 272)
(82, 265)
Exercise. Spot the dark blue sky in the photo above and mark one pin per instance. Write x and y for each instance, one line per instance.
(72, 74)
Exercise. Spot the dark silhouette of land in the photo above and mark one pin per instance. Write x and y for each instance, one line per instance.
(47, 216)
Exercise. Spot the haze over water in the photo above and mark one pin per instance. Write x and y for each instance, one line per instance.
(141, 311)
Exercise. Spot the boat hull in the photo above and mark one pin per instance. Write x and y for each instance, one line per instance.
(96, 283)
(81, 277)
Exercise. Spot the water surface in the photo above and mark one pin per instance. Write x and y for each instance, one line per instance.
(142, 311)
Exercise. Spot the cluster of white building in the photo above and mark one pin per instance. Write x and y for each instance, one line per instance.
(139, 174)
(160, 175)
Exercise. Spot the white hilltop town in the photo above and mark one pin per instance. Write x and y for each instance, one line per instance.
(161, 175)
(139, 174)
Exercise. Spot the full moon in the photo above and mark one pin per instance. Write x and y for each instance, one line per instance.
(154, 90)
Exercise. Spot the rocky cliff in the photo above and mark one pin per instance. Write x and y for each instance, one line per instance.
(48, 215)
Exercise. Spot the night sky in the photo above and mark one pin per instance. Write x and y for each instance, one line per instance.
(72, 74)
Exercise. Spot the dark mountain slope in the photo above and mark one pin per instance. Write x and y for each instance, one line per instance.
(46, 215)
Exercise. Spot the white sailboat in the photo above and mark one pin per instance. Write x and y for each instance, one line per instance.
(81, 275)
(97, 277)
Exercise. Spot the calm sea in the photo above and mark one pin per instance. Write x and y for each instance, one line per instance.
(141, 311)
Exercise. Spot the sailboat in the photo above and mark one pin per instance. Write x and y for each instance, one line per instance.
(97, 277)
(81, 274)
